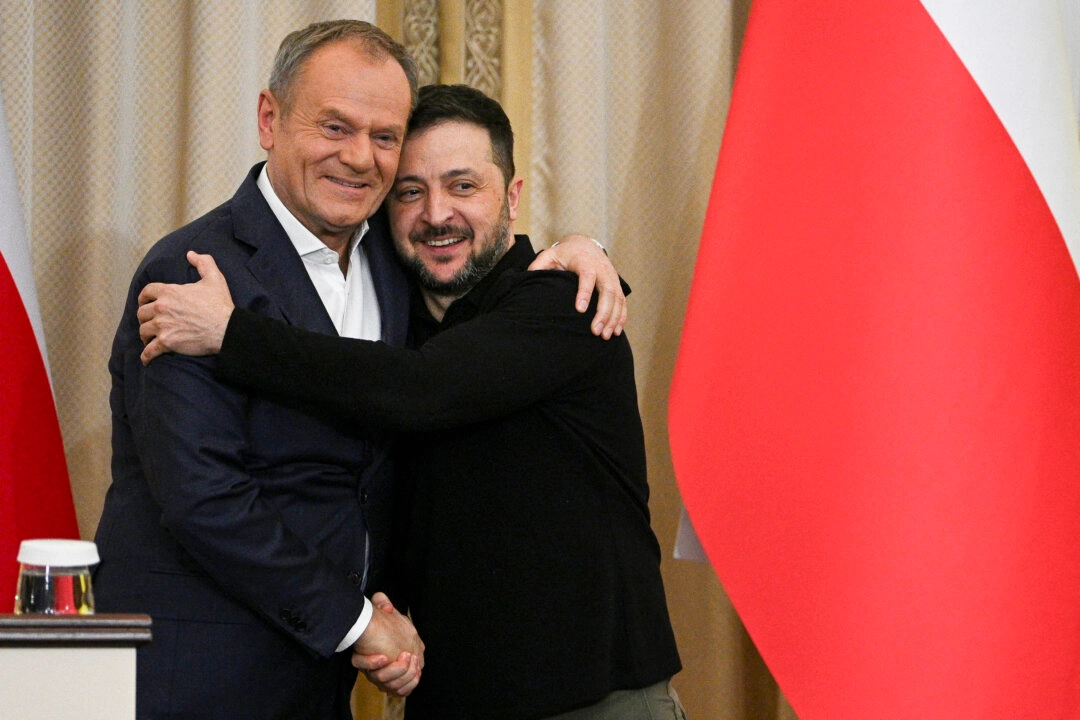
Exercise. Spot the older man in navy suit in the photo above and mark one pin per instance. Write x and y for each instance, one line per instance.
(251, 531)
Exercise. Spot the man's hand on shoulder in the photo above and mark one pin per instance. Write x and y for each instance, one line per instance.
(188, 319)
(585, 256)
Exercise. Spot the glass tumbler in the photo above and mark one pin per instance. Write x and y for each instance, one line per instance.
(54, 577)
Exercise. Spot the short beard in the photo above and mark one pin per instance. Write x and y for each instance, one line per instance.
(475, 269)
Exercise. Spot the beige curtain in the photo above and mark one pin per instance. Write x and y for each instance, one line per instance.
(131, 117)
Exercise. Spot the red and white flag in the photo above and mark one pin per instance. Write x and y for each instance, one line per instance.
(875, 414)
(35, 493)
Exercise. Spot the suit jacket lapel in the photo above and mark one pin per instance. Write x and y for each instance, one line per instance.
(275, 264)
(391, 284)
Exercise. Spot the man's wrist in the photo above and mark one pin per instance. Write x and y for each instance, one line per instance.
(358, 627)
(595, 242)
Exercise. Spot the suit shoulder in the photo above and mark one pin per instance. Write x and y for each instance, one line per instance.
(211, 233)
(207, 229)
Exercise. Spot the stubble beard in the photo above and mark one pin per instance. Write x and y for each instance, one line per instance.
(476, 267)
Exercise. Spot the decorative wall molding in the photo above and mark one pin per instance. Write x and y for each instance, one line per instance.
(483, 45)
(420, 30)
(456, 41)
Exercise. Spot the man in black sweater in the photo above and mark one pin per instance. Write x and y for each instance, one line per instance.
(525, 556)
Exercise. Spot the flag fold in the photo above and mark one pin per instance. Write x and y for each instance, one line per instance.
(35, 493)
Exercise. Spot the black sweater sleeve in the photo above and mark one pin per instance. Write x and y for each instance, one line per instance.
(529, 345)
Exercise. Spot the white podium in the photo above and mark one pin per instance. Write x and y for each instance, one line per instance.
(70, 666)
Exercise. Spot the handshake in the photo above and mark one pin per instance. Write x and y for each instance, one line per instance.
(389, 652)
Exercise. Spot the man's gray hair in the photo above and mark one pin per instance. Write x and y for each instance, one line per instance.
(298, 46)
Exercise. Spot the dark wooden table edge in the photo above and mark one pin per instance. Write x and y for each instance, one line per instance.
(74, 630)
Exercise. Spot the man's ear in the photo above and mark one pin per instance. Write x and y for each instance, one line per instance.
(513, 196)
(269, 111)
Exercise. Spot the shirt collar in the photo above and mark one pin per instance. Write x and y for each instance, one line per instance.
(302, 239)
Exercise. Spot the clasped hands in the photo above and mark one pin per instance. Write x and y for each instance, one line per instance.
(390, 653)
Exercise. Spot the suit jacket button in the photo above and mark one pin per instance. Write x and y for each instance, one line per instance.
(356, 578)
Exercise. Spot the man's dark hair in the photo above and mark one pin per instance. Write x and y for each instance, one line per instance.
(448, 103)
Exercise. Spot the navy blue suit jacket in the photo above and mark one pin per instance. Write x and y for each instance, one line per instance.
(249, 530)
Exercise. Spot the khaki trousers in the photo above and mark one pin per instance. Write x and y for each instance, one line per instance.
(656, 702)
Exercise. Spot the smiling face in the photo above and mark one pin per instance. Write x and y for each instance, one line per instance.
(333, 151)
(450, 209)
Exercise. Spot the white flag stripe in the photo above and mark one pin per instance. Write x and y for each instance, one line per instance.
(13, 245)
(1015, 50)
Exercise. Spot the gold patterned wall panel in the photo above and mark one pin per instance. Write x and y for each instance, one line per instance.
(483, 45)
(420, 34)
(452, 41)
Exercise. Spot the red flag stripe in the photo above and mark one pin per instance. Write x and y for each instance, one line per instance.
(875, 416)
(35, 493)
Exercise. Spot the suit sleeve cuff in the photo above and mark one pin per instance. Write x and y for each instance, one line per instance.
(358, 627)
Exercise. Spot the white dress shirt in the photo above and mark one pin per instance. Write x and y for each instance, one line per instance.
(349, 299)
